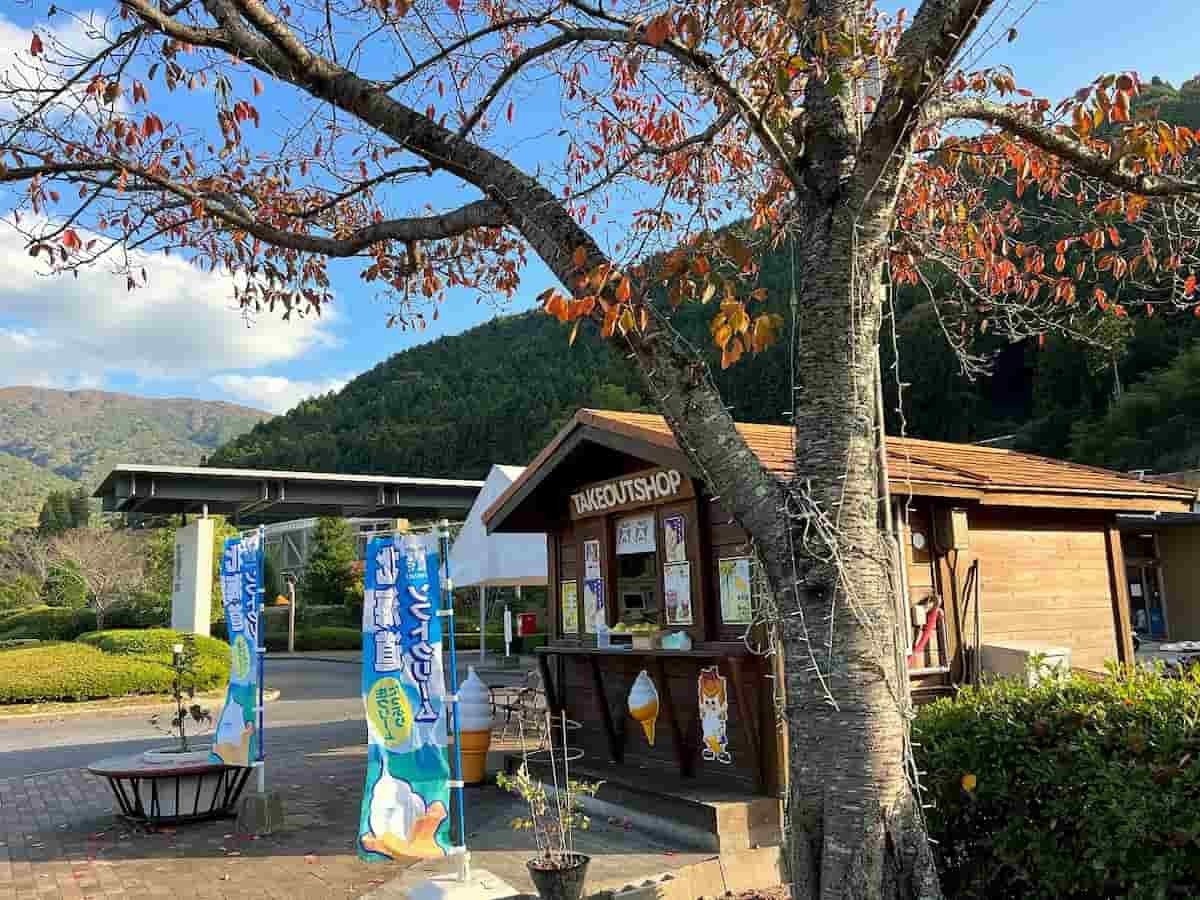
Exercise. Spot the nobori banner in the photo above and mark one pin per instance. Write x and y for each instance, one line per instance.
(630, 492)
(406, 804)
(237, 739)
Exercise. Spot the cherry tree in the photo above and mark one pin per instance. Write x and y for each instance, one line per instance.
(877, 150)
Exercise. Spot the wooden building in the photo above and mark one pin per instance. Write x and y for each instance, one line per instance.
(998, 547)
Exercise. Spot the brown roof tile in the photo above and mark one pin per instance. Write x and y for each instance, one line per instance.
(909, 459)
(914, 466)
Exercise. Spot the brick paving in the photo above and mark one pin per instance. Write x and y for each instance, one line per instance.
(60, 840)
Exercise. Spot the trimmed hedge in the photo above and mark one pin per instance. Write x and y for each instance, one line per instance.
(495, 642)
(1076, 787)
(47, 623)
(151, 642)
(76, 672)
(328, 637)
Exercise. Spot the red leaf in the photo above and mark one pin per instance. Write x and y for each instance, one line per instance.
(510, 111)
(455, 5)
(35, 45)
(1189, 287)
(258, 88)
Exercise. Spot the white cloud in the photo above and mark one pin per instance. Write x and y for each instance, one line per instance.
(69, 37)
(66, 331)
(273, 392)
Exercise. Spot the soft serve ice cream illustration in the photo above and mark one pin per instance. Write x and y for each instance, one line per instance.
(232, 740)
(643, 704)
(402, 826)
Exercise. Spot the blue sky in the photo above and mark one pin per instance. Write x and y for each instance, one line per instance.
(184, 338)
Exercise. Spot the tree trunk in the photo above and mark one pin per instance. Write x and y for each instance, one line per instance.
(854, 824)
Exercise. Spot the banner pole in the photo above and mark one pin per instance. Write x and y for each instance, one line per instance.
(464, 867)
(260, 599)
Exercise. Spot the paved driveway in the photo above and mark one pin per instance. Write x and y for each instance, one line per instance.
(59, 839)
(319, 706)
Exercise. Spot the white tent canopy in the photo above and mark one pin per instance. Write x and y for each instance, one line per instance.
(478, 559)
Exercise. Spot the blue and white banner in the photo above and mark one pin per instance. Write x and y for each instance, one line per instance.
(237, 739)
(406, 802)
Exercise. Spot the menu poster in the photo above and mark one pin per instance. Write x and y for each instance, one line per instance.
(591, 560)
(569, 591)
(593, 603)
(677, 590)
(734, 575)
(673, 538)
(635, 534)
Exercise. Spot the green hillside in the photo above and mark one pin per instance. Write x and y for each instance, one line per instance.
(25, 487)
(50, 439)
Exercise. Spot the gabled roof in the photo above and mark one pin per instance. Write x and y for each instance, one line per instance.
(990, 475)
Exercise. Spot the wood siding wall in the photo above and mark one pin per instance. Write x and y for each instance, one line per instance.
(1179, 550)
(1045, 577)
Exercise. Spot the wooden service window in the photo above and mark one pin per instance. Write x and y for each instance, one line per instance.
(637, 589)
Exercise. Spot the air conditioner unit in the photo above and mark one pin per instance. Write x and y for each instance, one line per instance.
(1014, 659)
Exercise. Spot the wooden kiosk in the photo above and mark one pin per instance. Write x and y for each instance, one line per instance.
(1002, 552)
(633, 543)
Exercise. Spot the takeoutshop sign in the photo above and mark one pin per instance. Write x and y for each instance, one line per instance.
(629, 492)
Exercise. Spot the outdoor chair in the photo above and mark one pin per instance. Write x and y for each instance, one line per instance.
(525, 715)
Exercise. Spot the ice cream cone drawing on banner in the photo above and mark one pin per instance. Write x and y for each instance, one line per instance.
(233, 736)
(643, 704)
(714, 715)
(402, 826)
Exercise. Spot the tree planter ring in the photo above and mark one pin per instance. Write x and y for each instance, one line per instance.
(173, 791)
(562, 883)
(176, 757)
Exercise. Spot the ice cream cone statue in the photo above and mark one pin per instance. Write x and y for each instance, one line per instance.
(475, 726)
(643, 704)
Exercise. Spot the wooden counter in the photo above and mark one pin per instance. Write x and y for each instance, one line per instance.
(592, 686)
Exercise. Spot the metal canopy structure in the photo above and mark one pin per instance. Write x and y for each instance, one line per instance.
(255, 496)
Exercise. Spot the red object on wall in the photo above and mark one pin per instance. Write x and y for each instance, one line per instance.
(526, 624)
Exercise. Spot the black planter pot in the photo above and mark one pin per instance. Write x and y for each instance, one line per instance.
(564, 883)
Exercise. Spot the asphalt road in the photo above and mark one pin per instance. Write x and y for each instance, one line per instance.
(319, 707)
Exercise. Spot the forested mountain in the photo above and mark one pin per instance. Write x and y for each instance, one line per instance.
(496, 393)
(23, 487)
(50, 438)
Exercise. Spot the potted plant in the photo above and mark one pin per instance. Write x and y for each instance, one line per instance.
(187, 711)
(558, 871)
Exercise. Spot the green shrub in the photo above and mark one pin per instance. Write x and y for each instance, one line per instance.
(19, 592)
(75, 672)
(1078, 787)
(328, 637)
(495, 642)
(64, 587)
(47, 623)
(142, 610)
(316, 616)
(151, 642)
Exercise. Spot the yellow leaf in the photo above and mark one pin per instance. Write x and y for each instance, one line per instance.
(969, 782)
(580, 256)
(574, 332)
(626, 322)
